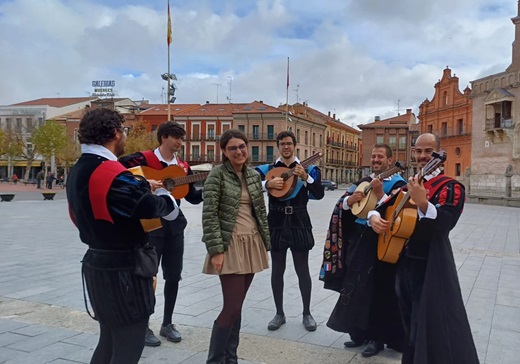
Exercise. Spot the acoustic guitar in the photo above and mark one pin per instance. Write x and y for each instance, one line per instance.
(369, 202)
(402, 217)
(290, 180)
(174, 179)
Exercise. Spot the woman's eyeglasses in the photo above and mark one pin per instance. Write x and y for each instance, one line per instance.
(234, 148)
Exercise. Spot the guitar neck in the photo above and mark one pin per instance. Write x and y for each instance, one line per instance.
(179, 181)
(382, 176)
(305, 163)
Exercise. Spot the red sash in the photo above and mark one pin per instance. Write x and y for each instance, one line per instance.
(98, 186)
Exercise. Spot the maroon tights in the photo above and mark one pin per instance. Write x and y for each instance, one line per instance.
(234, 289)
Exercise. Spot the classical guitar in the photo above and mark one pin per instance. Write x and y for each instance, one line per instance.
(290, 180)
(174, 179)
(402, 217)
(369, 202)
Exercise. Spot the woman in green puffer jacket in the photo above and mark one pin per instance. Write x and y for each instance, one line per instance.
(236, 234)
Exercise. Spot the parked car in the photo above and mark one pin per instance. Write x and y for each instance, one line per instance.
(329, 185)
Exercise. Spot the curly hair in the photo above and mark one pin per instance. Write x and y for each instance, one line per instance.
(284, 134)
(99, 125)
(170, 128)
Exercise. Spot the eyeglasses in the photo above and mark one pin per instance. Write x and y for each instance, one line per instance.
(288, 144)
(124, 130)
(234, 148)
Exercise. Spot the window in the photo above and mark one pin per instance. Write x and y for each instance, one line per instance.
(321, 140)
(29, 125)
(457, 169)
(227, 127)
(313, 139)
(430, 128)
(195, 152)
(29, 148)
(444, 129)
(211, 131)
(254, 152)
(460, 127)
(402, 142)
(18, 125)
(298, 153)
(269, 151)
(195, 132)
(40, 122)
(380, 139)
(297, 135)
(306, 137)
(392, 142)
(270, 131)
(256, 131)
(211, 153)
(306, 154)
(8, 123)
(241, 128)
(445, 98)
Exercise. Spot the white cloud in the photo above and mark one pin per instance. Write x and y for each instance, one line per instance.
(357, 59)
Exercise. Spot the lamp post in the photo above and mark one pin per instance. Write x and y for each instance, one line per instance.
(171, 89)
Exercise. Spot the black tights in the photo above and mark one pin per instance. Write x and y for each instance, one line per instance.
(171, 288)
(120, 345)
(234, 289)
(301, 266)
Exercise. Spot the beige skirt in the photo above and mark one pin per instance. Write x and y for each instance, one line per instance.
(246, 254)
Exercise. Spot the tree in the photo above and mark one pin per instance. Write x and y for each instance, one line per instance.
(139, 139)
(50, 139)
(68, 155)
(11, 145)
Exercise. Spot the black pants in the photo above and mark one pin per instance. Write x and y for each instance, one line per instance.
(120, 345)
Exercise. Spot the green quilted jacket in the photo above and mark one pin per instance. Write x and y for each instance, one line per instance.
(222, 191)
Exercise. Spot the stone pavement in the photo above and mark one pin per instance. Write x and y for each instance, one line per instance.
(43, 319)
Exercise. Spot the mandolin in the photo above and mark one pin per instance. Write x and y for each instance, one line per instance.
(402, 217)
(288, 176)
(174, 179)
(369, 202)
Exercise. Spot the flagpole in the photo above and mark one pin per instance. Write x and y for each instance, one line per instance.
(287, 98)
(169, 40)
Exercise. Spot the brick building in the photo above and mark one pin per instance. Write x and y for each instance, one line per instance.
(449, 116)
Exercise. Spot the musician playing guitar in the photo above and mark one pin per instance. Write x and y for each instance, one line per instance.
(290, 226)
(366, 308)
(436, 325)
(168, 240)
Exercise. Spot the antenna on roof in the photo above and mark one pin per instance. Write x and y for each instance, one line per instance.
(398, 110)
(230, 82)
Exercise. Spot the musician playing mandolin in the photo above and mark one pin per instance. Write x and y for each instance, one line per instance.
(367, 307)
(168, 240)
(436, 325)
(290, 225)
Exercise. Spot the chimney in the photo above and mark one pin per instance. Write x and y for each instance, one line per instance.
(334, 116)
(261, 101)
(207, 102)
(377, 118)
(329, 114)
(408, 111)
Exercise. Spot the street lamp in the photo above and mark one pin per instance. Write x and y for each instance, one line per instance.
(171, 89)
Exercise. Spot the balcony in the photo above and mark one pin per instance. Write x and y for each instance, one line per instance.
(198, 137)
(339, 162)
(344, 146)
(498, 123)
(261, 136)
(450, 133)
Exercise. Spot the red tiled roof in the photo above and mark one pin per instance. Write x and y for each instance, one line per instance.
(399, 120)
(162, 109)
(56, 102)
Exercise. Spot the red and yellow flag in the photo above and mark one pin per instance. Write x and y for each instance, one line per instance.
(169, 34)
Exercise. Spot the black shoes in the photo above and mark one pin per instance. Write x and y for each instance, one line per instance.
(150, 339)
(171, 333)
(309, 323)
(353, 344)
(373, 348)
(276, 322)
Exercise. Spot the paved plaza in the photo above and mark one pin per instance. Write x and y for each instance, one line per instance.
(43, 318)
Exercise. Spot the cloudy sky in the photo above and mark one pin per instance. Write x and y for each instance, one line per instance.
(355, 58)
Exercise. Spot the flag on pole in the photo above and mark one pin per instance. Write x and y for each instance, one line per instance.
(287, 72)
(169, 34)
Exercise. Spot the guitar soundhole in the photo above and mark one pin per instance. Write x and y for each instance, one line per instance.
(284, 176)
(169, 184)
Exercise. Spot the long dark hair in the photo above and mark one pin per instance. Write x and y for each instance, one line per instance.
(227, 136)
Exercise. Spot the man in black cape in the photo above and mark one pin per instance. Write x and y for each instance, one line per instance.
(435, 321)
(367, 307)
